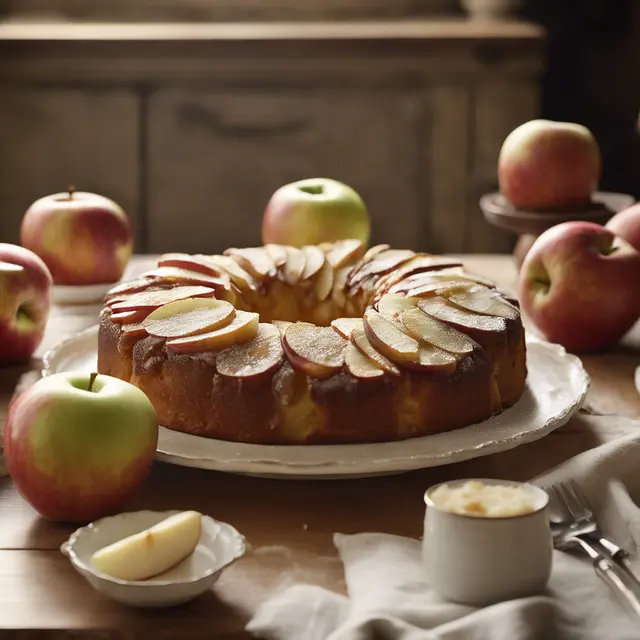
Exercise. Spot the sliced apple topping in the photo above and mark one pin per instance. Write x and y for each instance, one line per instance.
(132, 286)
(421, 263)
(433, 331)
(239, 276)
(261, 354)
(130, 317)
(345, 252)
(278, 253)
(294, 266)
(189, 317)
(382, 263)
(359, 365)
(338, 294)
(199, 263)
(314, 259)
(462, 319)
(445, 289)
(188, 277)
(432, 358)
(393, 305)
(242, 328)
(360, 340)
(389, 339)
(318, 351)
(154, 299)
(255, 260)
(135, 330)
(487, 302)
(344, 326)
(323, 282)
(372, 252)
(281, 326)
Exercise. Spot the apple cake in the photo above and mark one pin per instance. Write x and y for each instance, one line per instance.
(319, 344)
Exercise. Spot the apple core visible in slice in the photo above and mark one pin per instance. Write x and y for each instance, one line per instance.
(344, 326)
(389, 339)
(189, 317)
(359, 338)
(259, 355)
(242, 328)
(486, 301)
(154, 299)
(461, 319)
(359, 365)
(428, 329)
(318, 351)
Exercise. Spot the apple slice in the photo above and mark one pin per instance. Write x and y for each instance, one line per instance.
(132, 286)
(372, 252)
(345, 252)
(345, 326)
(189, 317)
(323, 282)
(255, 260)
(428, 329)
(153, 299)
(281, 326)
(433, 359)
(462, 319)
(445, 289)
(185, 276)
(242, 328)
(239, 276)
(135, 330)
(278, 253)
(487, 302)
(199, 263)
(262, 354)
(421, 263)
(360, 340)
(314, 259)
(383, 262)
(389, 339)
(359, 365)
(317, 351)
(130, 317)
(393, 305)
(338, 294)
(294, 266)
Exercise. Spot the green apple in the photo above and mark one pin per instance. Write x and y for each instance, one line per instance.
(314, 211)
(79, 445)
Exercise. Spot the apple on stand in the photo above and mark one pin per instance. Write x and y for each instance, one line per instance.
(25, 294)
(579, 284)
(626, 224)
(83, 238)
(313, 211)
(79, 445)
(545, 165)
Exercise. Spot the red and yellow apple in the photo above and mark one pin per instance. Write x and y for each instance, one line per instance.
(579, 284)
(25, 293)
(313, 211)
(545, 164)
(626, 224)
(83, 238)
(79, 445)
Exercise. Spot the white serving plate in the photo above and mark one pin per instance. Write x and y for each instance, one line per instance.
(80, 294)
(556, 388)
(220, 545)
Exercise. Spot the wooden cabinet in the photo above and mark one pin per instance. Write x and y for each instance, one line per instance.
(215, 158)
(51, 138)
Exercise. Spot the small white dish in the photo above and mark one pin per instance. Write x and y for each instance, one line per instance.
(80, 294)
(480, 560)
(220, 545)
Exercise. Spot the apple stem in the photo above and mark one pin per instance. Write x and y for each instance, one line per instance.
(92, 380)
(71, 191)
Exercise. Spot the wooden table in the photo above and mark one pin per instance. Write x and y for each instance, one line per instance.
(288, 523)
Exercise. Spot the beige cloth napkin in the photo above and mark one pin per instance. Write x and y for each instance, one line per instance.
(390, 597)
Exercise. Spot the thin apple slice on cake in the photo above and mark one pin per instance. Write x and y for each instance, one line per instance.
(294, 266)
(323, 281)
(239, 276)
(380, 264)
(393, 305)
(262, 354)
(153, 299)
(196, 262)
(433, 359)
(317, 351)
(427, 329)
(360, 340)
(189, 317)
(132, 286)
(371, 253)
(338, 294)
(487, 302)
(281, 326)
(421, 263)
(278, 253)
(445, 289)
(255, 260)
(345, 326)
(130, 317)
(345, 252)
(242, 328)
(135, 330)
(389, 339)
(314, 259)
(221, 283)
(359, 365)
(469, 322)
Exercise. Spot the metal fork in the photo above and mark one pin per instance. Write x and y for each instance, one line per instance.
(568, 532)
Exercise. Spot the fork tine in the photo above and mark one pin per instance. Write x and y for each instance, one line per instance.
(581, 498)
(557, 506)
(565, 494)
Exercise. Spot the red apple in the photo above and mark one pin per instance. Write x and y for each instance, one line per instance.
(79, 445)
(626, 224)
(25, 288)
(83, 238)
(313, 211)
(545, 164)
(580, 285)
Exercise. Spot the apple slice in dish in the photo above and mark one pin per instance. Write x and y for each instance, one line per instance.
(393, 305)
(323, 282)
(255, 260)
(360, 340)
(130, 317)
(359, 365)
(487, 302)
(314, 259)
(389, 339)
(294, 266)
(198, 263)
(345, 252)
(318, 351)
(437, 333)
(278, 253)
(344, 326)
(239, 276)
(153, 299)
(262, 354)
(466, 321)
(189, 317)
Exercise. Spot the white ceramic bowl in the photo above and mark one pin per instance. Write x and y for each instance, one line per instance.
(220, 544)
(482, 560)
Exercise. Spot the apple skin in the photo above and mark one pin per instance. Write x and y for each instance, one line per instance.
(77, 455)
(544, 165)
(314, 211)
(579, 284)
(84, 238)
(25, 300)
(626, 224)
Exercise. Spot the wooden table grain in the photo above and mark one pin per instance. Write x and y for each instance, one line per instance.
(289, 523)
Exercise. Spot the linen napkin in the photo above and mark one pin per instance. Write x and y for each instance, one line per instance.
(389, 596)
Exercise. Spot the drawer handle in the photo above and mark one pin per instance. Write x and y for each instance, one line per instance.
(194, 115)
